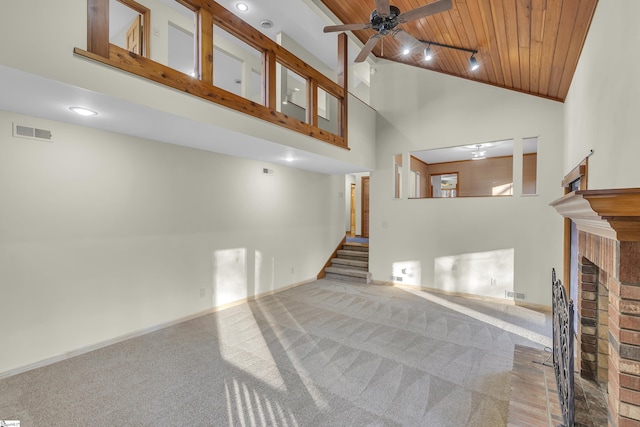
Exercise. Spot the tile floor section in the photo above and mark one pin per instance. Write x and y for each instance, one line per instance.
(534, 395)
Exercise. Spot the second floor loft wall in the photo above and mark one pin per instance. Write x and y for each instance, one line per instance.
(51, 36)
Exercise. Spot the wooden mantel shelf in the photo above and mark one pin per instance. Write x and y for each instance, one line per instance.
(614, 214)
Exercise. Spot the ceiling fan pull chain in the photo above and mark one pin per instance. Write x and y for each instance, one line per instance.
(382, 48)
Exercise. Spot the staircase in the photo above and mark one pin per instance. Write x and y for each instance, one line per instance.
(351, 264)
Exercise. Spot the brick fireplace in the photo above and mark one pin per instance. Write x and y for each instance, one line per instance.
(608, 336)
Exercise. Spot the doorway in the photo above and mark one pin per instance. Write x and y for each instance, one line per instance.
(365, 206)
(352, 228)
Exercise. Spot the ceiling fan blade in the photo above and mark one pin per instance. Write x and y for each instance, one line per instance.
(368, 47)
(429, 9)
(406, 39)
(382, 7)
(346, 27)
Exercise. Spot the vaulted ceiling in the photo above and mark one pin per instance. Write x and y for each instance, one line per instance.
(530, 46)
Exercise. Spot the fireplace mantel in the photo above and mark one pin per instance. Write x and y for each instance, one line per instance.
(614, 214)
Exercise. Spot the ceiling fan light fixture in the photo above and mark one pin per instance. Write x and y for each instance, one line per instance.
(406, 51)
(473, 63)
(428, 54)
(477, 154)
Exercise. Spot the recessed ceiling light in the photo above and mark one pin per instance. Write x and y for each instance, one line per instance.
(289, 159)
(83, 111)
(242, 7)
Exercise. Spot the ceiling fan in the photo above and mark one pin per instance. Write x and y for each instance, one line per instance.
(385, 18)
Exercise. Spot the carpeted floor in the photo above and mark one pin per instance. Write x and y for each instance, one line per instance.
(326, 353)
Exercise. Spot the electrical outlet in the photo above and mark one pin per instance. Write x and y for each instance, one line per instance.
(203, 292)
(293, 270)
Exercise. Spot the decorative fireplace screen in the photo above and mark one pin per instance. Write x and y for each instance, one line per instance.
(563, 348)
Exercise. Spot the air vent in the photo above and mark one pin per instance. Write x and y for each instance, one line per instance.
(30, 132)
(516, 295)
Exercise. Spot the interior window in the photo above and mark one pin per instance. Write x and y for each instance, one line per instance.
(181, 49)
(127, 27)
(328, 111)
(237, 67)
(475, 170)
(529, 165)
(397, 176)
(292, 93)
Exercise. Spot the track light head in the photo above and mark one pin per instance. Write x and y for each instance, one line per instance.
(473, 63)
(428, 54)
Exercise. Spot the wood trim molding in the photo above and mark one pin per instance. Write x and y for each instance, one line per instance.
(613, 214)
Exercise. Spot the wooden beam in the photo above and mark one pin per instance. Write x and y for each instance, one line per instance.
(343, 81)
(204, 46)
(98, 27)
(269, 83)
(312, 102)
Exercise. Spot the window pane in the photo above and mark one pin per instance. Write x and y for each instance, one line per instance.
(237, 67)
(181, 49)
(291, 93)
(328, 112)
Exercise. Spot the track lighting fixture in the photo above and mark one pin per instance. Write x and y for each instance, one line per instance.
(473, 63)
(428, 54)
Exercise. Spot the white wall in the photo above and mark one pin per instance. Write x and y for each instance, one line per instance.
(419, 109)
(103, 234)
(603, 105)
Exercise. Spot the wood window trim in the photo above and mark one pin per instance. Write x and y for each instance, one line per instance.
(209, 13)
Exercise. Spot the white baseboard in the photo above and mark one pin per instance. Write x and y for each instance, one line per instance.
(140, 332)
(531, 306)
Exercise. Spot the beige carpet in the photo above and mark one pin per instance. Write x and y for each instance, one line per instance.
(327, 353)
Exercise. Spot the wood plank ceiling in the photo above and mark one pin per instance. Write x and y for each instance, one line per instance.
(531, 46)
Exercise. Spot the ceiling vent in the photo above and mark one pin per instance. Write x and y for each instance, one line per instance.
(30, 132)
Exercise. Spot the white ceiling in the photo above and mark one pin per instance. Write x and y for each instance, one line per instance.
(464, 152)
(302, 20)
